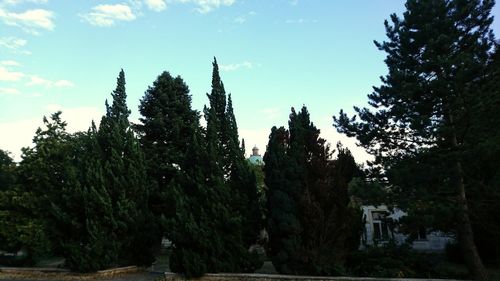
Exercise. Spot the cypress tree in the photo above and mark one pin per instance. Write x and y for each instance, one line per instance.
(124, 171)
(222, 135)
(310, 217)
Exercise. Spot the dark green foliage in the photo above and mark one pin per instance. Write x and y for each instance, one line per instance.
(167, 126)
(47, 174)
(90, 242)
(397, 261)
(222, 140)
(310, 216)
(20, 228)
(421, 122)
(125, 179)
(206, 236)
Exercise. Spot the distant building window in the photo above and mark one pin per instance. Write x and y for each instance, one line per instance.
(380, 227)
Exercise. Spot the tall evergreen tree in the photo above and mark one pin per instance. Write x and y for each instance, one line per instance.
(436, 55)
(222, 134)
(124, 171)
(310, 219)
(283, 225)
(166, 130)
(206, 235)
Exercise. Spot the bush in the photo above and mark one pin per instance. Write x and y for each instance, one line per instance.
(395, 261)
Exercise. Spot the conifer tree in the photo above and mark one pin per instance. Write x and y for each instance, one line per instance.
(20, 225)
(310, 217)
(222, 134)
(46, 172)
(124, 171)
(437, 55)
(166, 129)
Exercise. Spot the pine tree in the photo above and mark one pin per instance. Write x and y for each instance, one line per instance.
(310, 219)
(124, 171)
(91, 242)
(222, 135)
(436, 55)
(283, 225)
(166, 129)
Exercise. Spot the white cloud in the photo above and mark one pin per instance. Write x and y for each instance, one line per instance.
(236, 66)
(15, 2)
(156, 5)
(9, 91)
(240, 20)
(36, 80)
(294, 2)
(31, 21)
(271, 113)
(9, 63)
(206, 6)
(12, 42)
(21, 132)
(108, 15)
(14, 45)
(7, 75)
(63, 84)
(301, 21)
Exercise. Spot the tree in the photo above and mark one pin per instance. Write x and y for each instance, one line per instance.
(222, 134)
(421, 115)
(125, 178)
(19, 227)
(206, 235)
(310, 219)
(46, 173)
(283, 224)
(90, 242)
(166, 131)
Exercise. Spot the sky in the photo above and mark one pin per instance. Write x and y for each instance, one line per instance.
(273, 55)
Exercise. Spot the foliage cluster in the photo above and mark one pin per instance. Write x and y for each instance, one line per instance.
(311, 219)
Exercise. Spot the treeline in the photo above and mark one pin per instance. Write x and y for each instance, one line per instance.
(433, 125)
(106, 197)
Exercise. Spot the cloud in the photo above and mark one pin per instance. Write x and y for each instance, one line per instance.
(12, 42)
(156, 5)
(240, 20)
(294, 2)
(15, 2)
(7, 75)
(236, 66)
(9, 91)
(64, 84)
(206, 6)
(31, 21)
(301, 21)
(108, 15)
(271, 113)
(14, 45)
(9, 63)
(22, 131)
(36, 80)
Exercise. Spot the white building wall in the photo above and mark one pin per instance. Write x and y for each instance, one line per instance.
(434, 241)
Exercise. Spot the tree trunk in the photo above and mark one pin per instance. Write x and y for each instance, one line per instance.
(465, 233)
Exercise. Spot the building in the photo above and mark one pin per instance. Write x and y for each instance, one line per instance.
(378, 229)
(256, 158)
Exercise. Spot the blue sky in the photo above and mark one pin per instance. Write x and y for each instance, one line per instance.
(273, 54)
